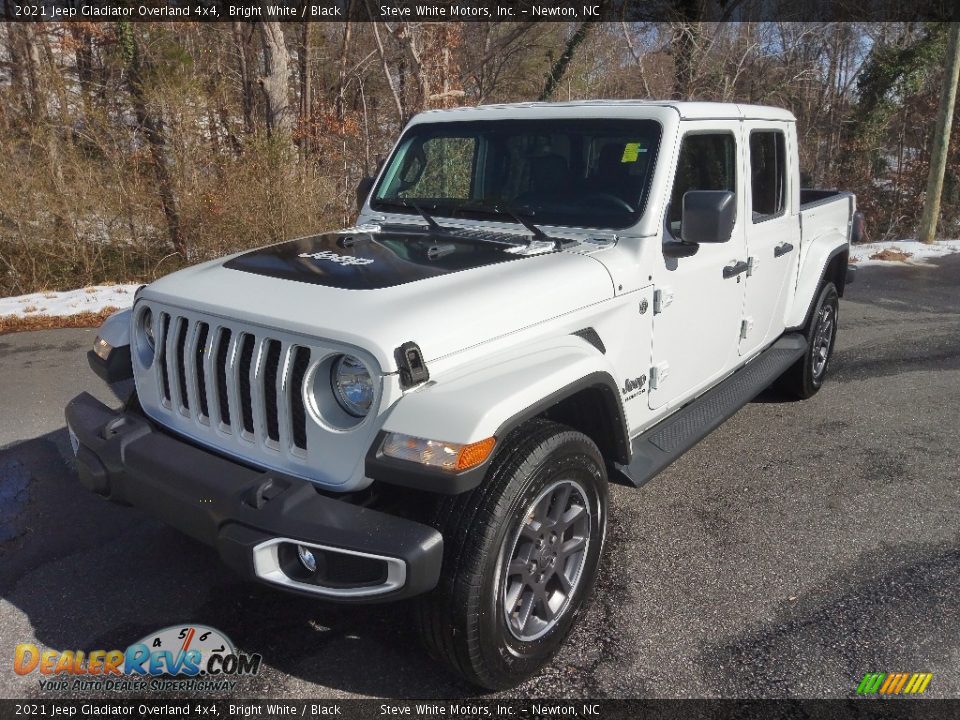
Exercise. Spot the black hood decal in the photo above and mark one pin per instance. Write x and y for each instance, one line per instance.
(369, 261)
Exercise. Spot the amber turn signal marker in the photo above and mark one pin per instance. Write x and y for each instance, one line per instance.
(475, 453)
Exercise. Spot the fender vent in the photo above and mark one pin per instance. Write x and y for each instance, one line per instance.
(590, 335)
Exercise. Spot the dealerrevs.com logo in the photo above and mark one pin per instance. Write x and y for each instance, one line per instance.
(179, 657)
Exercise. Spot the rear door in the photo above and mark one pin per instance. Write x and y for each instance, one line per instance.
(697, 309)
(772, 231)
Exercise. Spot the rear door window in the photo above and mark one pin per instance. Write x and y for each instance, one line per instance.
(768, 174)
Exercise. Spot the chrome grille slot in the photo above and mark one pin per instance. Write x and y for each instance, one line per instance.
(223, 350)
(200, 366)
(181, 344)
(271, 371)
(253, 393)
(243, 376)
(298, 412)
(162, 358)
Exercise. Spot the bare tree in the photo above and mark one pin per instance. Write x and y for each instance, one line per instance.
(941, 138)
(246, 83)
(152, 126)
(275, 79)
(555, 76)
(306, 89)
(339, 102)
(386, 70)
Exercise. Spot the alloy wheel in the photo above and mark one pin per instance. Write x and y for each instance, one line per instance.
(822, 341)
(546, 561)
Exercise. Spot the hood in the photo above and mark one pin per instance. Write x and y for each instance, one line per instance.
(379, 290)
(373, 261)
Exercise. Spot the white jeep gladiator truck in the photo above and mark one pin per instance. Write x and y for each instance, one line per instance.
(536, 300)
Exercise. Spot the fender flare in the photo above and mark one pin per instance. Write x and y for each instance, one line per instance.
(795, 323)
(563, 370)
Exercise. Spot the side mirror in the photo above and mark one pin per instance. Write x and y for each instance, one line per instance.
(708, 216)
(363, 189)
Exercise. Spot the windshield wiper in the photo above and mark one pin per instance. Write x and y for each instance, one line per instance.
(434, 225)
(410, 205)
(516, 215)
(537, 233)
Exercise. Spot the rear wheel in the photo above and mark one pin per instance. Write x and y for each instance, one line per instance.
(805, 378)
(520, 557)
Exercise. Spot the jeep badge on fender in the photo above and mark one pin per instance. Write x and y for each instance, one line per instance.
(431, 404)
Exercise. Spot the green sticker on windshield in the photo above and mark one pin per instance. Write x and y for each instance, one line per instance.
(631, 151)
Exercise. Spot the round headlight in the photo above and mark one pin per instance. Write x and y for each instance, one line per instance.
(352, 385)
(146, 325)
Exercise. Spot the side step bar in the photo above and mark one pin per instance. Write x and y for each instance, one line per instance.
(655, 449)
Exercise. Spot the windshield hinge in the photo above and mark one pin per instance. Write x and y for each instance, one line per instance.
(413, 370)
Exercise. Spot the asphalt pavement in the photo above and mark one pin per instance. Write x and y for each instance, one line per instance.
(799, 546)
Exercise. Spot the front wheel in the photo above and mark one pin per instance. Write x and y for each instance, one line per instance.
(520, 557)
(805, 378)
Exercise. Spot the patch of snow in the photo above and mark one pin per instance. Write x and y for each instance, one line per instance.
(69, 302)
(919, 252)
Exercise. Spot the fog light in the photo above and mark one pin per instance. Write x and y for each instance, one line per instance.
(307, 558)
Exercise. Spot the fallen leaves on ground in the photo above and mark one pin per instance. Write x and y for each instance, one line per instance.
(12, 323)
(891, 254)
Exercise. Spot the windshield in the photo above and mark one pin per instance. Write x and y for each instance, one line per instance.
(574, 172)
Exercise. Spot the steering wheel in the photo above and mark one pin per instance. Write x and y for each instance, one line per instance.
(607, 198)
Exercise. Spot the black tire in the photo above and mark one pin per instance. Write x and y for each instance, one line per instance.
(462, 621)
(805, 377)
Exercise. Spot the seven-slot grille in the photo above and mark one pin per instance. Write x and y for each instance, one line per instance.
(237, 381)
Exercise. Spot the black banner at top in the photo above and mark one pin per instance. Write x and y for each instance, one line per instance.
(481, 10)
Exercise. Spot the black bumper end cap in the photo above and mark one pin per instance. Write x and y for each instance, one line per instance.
(93, 475)
(851, 274)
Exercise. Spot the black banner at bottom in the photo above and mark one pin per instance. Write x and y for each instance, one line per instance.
(860, 709)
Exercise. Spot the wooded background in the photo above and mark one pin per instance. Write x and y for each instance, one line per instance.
(130, 149)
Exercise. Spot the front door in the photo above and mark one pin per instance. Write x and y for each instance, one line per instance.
(697, 306)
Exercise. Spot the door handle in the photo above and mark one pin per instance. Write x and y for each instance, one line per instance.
(782, 249)
(733, 270)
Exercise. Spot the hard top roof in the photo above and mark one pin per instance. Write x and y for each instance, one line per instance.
(686, 110)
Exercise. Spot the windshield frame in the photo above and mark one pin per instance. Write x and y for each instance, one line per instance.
(653, 132)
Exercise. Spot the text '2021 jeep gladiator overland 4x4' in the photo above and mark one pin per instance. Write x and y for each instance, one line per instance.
(536, 299)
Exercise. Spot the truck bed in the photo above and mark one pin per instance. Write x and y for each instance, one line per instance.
(825, 212)
(810, 197)
(825, 218)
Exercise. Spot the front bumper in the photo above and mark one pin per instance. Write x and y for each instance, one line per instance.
(254, 519)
